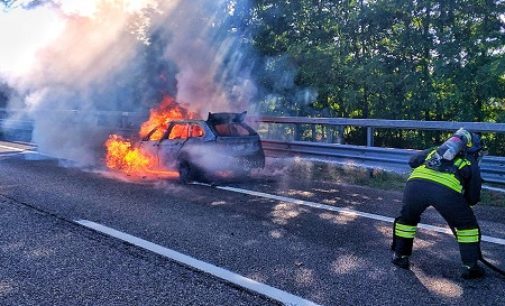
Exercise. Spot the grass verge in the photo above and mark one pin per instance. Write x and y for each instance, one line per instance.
(374, 178)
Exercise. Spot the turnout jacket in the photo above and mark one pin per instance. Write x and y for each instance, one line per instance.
(467, 175)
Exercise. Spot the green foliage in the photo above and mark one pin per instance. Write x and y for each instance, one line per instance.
(388, 59)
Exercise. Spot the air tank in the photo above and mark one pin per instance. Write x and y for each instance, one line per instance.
(452, 146)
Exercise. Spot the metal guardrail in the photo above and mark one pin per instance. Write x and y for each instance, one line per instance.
(392, 124)
(493, 167)
(372, 124)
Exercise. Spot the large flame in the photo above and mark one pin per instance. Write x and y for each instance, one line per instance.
(167, 111)
(124, 156)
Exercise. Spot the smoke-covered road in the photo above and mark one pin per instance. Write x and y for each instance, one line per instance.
(314, 254)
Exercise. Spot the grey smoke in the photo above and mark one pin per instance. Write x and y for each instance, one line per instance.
(98, 68)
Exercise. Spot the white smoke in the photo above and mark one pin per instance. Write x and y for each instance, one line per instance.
(199, 51)
(68, 59)
(23, 33)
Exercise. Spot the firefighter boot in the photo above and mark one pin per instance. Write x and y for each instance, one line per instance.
(472, 272)
(401, 261)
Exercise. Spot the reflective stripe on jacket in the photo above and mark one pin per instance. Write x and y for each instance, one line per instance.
(444, 178)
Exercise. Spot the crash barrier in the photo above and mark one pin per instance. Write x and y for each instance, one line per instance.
(391, 159)
(16, 130)
(493, 167)
(372, 124)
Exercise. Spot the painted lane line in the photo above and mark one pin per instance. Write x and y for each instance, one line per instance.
(348, 212)
(239, 280)
(13, 148)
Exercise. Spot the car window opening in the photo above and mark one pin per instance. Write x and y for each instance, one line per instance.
(156, 134)
(196, 131)
(179, 131)
(231, 129)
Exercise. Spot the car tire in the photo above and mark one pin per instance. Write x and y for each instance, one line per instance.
(185, 172)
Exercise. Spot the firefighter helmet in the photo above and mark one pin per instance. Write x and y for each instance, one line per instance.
(478, 148)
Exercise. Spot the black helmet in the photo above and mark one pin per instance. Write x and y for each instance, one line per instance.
(478, 148)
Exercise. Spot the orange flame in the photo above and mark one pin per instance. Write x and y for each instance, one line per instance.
(167, 111)
(122, 155)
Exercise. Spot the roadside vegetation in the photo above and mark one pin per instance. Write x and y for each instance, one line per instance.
(426, 60)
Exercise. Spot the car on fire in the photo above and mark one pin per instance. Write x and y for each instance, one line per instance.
(221, 146)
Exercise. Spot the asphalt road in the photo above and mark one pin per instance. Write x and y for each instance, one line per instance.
(319, 255)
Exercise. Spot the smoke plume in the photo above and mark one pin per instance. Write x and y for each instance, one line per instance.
(74, 67)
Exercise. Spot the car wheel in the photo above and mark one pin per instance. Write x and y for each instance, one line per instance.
(185, 172)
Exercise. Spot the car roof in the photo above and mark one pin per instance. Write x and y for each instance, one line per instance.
(187, 121)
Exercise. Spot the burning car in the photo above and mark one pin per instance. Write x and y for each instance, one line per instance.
(175, 141)
(221, 146)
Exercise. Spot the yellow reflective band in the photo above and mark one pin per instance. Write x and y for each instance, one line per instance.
(443, 178)
(405, 231)
(468, 236)
(407, 228)
(460, 163)
(431, 154)
(473, 231)
(468, 240)
(403, 234)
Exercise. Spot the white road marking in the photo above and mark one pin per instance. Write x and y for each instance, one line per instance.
(239, 280)
(12, 148)
(346, 211)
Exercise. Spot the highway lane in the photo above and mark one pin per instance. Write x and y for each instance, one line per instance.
(322, 256)
(366, 200)
(47, 261)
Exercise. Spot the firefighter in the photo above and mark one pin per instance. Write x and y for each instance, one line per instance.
(451, 186)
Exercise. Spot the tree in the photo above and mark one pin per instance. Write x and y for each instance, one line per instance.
(392, 59)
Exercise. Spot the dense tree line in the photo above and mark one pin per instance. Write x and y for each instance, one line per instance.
(390, 59)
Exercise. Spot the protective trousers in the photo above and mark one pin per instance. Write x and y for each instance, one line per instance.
(419, 195)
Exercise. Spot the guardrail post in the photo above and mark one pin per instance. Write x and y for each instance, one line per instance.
(369, 136)
(340, 135)
(269, 130)
(297, 134)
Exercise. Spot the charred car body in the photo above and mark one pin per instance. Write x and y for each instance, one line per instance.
(223, 145)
